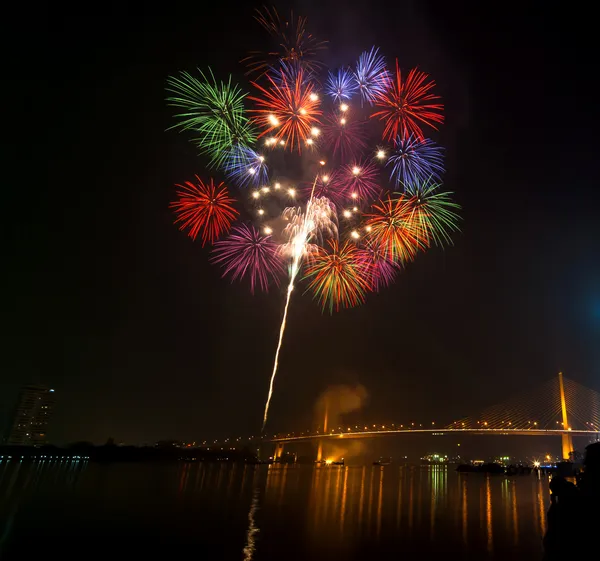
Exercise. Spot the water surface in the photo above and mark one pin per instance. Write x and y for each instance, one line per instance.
(268, 512)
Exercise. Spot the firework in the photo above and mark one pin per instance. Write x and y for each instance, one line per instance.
(307, 229)
(339, 277)
(433, 211)
(415, 160)
(288, 108)
(316, 220)
(341, 85)
(248, 253)
(245, 167)
(408, 104)
(371, 75)
(359, 181)
(294, 44)
(375, 244)
(326, 186)
(213, 111)
(394, 229)
(204, 208)
(344, 138)
(383, 270)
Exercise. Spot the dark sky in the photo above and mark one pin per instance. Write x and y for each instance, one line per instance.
(108, 302)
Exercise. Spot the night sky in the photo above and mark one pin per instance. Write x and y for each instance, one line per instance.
(106, 301)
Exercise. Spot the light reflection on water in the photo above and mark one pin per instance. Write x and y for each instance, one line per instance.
(258, 512)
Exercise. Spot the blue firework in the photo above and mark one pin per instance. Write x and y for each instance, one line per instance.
(245, 167)
(415, 161)
(341, 85)
(371, 75)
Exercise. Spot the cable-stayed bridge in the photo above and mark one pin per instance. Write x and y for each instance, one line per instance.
(560, 407)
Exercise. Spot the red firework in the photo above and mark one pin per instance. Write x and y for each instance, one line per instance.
(408, 105)
(289, 107)
(205, 208)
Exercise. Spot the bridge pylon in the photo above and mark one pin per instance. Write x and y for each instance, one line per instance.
(320, 448)
(567, 439)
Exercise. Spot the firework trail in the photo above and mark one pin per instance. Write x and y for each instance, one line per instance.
(298, 245)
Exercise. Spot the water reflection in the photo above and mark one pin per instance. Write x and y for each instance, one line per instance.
(250, 546)
(400, 503)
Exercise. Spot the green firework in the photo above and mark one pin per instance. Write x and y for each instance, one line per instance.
(434, 211)
(213, 111)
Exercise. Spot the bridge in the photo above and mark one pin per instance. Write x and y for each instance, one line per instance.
(560, 407)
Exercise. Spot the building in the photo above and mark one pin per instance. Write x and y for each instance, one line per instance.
(29, 424)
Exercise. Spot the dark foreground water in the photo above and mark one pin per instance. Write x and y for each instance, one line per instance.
(220, 511)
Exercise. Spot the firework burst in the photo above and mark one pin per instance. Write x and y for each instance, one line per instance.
(213, 111)
(341, 85)
(434, 211)
(204, 208)
(383, 271)
(245, 167)
(293, 43)
(248, 253)
(415, 160)
(307, 228)
(288, 108)
(393, 229)
(339, 277)
(371, 75)
(359, 181)
(408, 104)
(326, 186)
(343, 137)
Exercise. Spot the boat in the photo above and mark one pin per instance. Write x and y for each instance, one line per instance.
(383, 462)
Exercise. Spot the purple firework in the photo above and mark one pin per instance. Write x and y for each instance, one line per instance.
(247, 252)
(383, 271)
(416, 160)
(326, 186)
(343, 136)
(371, 75)
(359, 181)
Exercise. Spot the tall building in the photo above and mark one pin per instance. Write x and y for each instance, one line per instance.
(29, 425)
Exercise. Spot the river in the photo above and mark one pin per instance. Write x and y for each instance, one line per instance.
(222, 511)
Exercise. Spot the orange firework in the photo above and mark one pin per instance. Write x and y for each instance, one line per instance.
(339, 277)
(288, 108)
(395, 228)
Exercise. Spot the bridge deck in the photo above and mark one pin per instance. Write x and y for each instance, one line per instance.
(440, 432)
